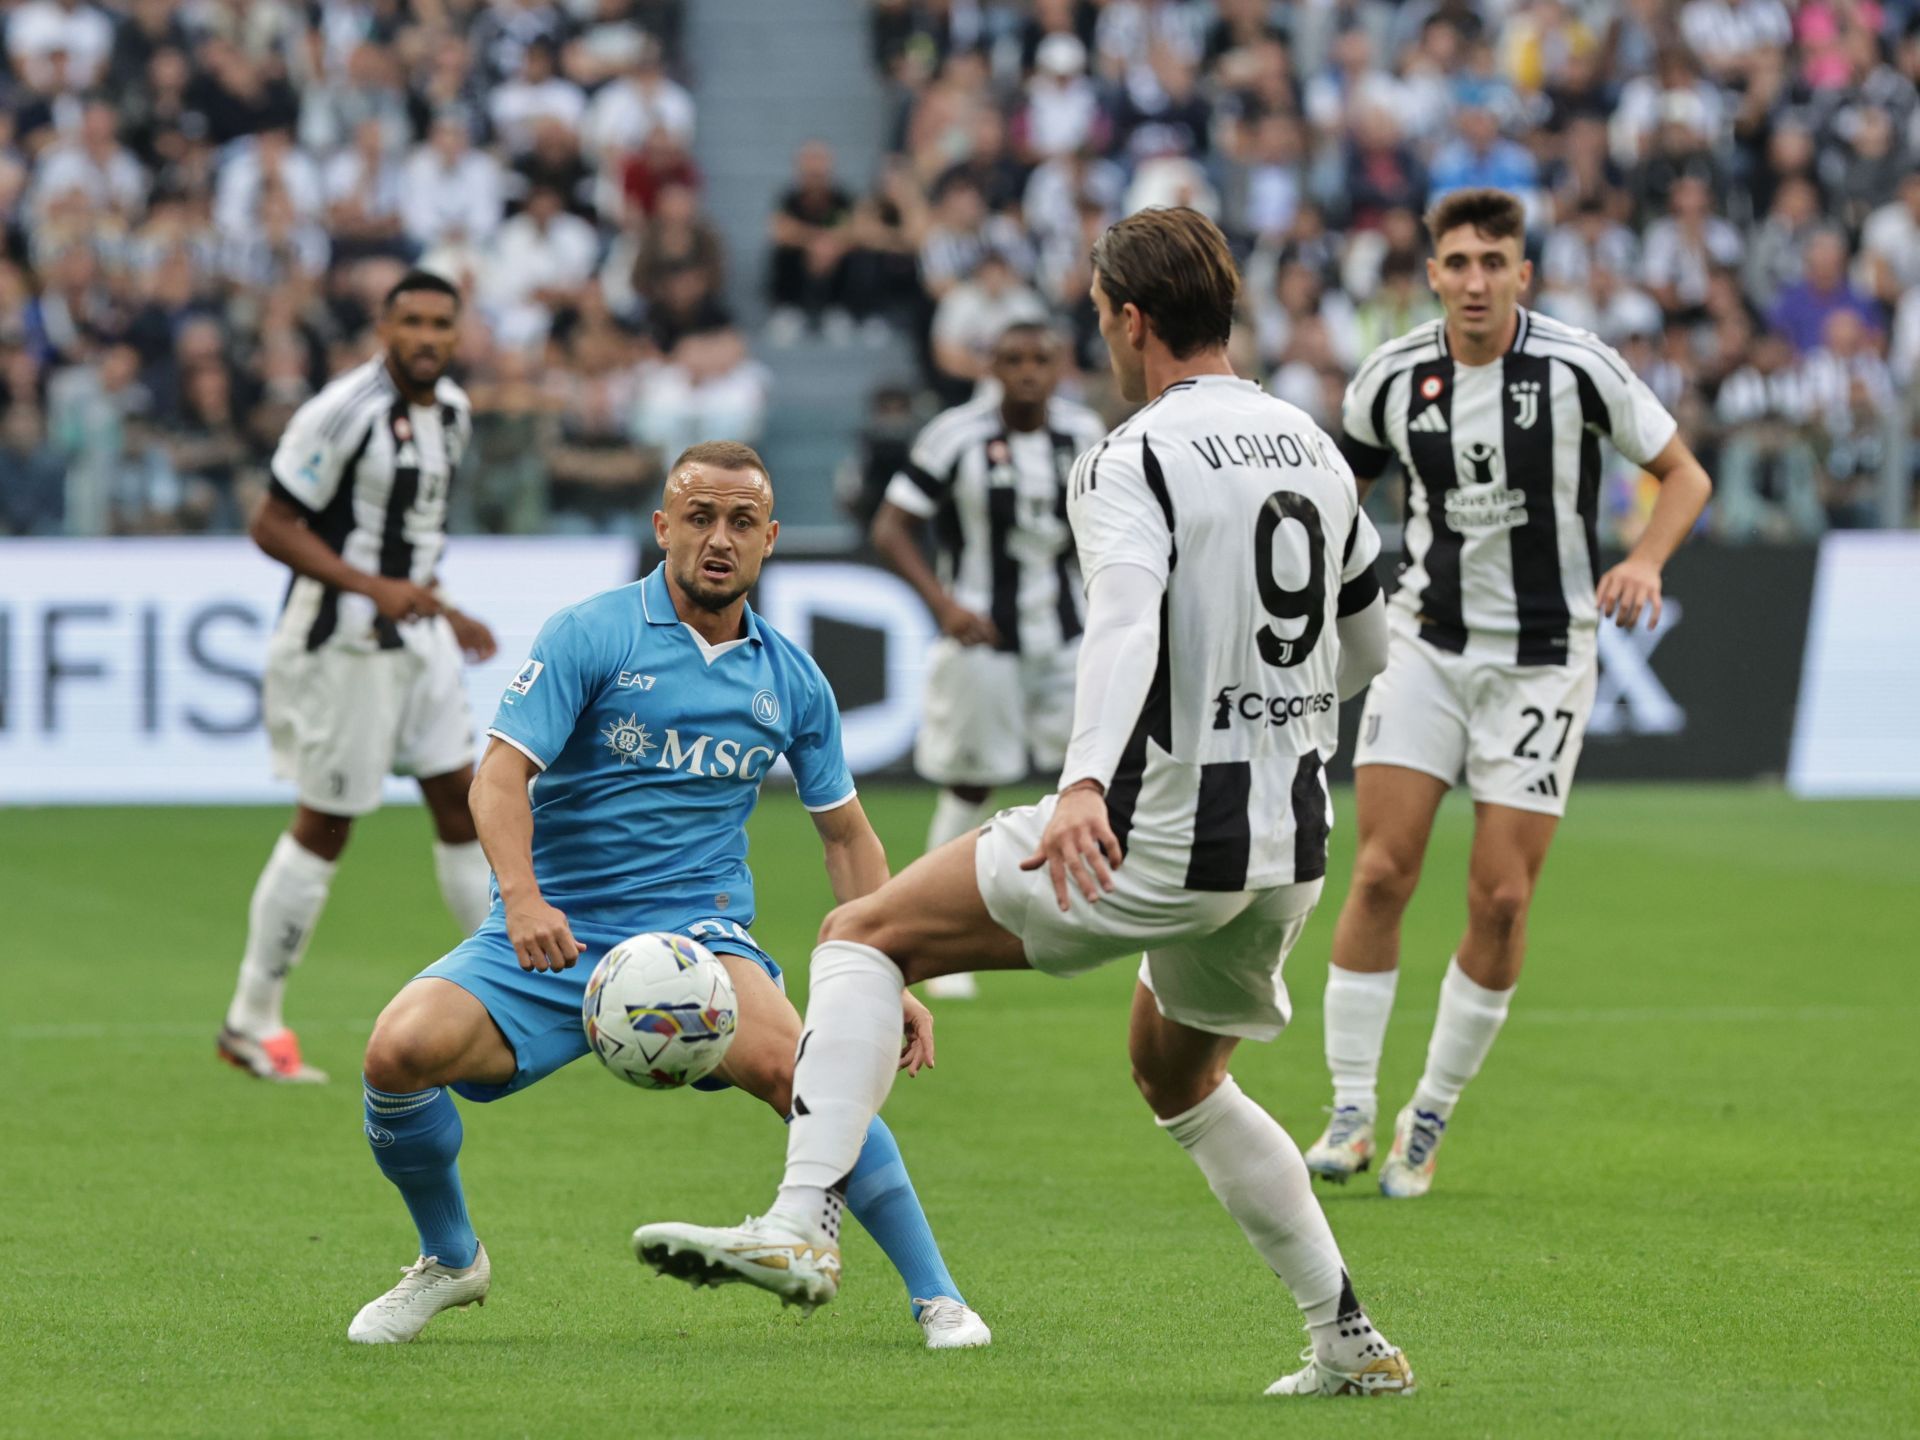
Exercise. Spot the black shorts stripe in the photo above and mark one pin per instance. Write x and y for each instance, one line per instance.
(1310, 826)
(1155, 723)
(1222, 827)
(1432, 454)
(1539, 598)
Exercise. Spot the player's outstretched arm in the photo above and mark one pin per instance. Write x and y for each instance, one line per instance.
(503, 815)
(1634, 584)
(281, 530)
(856, 860)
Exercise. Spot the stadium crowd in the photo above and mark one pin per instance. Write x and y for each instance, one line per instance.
(202, 199)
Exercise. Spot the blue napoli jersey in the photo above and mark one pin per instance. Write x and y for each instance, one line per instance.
(652, 746)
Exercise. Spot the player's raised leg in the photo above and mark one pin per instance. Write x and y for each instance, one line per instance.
(1509, 849)
(459, 864)
(960, 808)
(1394, 809)
(1255, 1170)
(431, 1034)
(287, 901)
(879, 1193)
(928, 920)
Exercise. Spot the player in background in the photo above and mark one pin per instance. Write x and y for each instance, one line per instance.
(613, 799)
(1496, 415)
(363, 672)
(991, 477)
(1230, 601)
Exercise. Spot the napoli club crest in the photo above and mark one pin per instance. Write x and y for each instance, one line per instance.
(766, 708)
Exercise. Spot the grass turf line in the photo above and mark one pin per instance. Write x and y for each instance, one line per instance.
(1682, 1200)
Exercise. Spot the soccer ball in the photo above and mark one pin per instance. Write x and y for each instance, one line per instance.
(660, 1011)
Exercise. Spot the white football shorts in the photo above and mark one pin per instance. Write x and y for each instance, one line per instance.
(1515, 731)
(1211, 959)
(341, 720)
(986, 711)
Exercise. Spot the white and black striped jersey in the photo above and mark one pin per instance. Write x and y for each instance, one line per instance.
(1248, 510)
(371, 472)
(1503, 479)
(998, 502)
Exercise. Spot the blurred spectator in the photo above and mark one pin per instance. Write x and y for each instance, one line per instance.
(81, 35)
(537, 263)
(1890, 244)
(452, 190)
(970, 318)
(675, 237)
(1684, 247)
(1776, 256)
(1482, 156)
(538, 92)
(1766, 487)
(1800, 311)
(1062, 113)
(365, 188)
(961, 232)
(812, 234)
(641, 100)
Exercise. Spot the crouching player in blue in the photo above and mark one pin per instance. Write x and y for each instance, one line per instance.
(644, 720)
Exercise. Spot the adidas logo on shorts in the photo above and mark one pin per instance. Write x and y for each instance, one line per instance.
(1429, 421)
(1548, 785)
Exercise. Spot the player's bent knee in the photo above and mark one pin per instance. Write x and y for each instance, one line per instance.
(1500, 906)
(409, 1051)
(855, 922)
(1384, 879)
(1171, 1090)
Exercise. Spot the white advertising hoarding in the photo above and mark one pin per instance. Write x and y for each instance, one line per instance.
(1857, 730)
(130, 669)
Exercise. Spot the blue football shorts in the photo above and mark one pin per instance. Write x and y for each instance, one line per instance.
(539, 1011)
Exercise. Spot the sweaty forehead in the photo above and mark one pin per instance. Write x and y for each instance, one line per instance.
(720, 488)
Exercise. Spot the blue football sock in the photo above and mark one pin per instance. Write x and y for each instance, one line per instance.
(416, 1144)
(881, 1198)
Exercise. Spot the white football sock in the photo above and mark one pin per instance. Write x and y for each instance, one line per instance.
(1470, 1016)
(952, 818)
(1356, 1008)
(842, 1073)
(287, 900)
(1256, 1172)
(466, 882)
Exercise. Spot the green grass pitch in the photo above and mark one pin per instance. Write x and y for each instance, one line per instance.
(1683, 1199)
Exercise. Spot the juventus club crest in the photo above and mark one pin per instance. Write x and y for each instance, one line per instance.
(1526, 403)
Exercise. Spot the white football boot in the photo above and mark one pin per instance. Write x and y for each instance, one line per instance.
(953, 987)
(952, 1324)
(1408, 1171)
(426, 1288)
(276, 1057)
(1386, 1373)
(1346, 1148)
(802, 1270)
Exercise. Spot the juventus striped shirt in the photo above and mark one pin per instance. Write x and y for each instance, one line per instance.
(1503, 479)
(998, 502)
(371, 472)
(1244, 509)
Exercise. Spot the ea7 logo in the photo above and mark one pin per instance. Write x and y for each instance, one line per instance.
(1526, 403)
